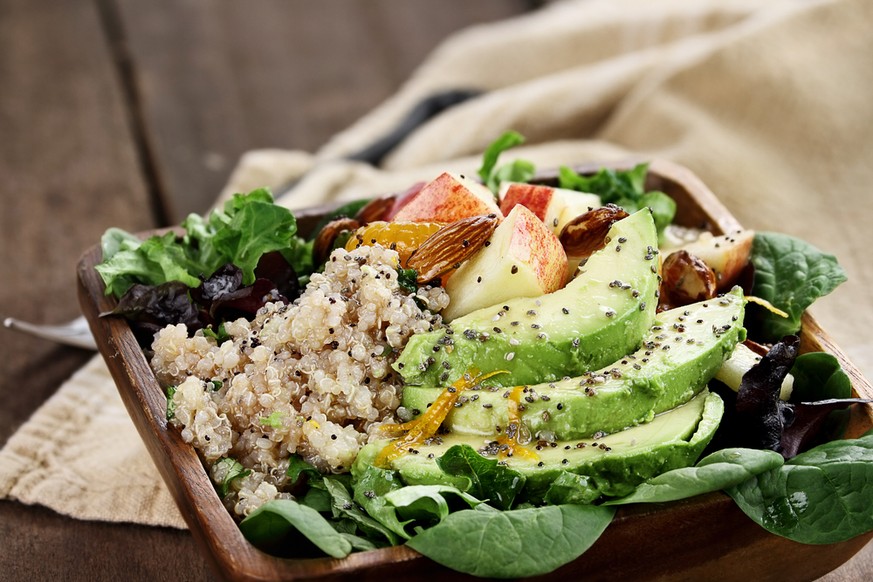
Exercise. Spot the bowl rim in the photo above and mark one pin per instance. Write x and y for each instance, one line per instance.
(215, 530)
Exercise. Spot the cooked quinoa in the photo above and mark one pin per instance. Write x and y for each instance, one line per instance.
(312, 378)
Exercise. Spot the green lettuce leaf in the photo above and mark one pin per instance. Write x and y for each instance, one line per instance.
(625, 188)
(248, 226)
(517, 171)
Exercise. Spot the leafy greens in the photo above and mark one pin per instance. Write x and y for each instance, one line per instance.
(246, 228)
(790, 273)
(625, 188)
(517, 171)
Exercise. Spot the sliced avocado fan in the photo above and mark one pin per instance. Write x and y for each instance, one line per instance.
(681, 352)
(579, 471)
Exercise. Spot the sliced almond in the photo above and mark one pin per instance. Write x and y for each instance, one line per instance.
(686, 279)
(586, 233)
(325, 240)
(376, 209)
(451, 245)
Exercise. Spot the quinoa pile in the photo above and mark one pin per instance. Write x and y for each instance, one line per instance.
(312, 378)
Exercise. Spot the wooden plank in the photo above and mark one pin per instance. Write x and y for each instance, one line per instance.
(69, 171)
(42, 545)
(217, 79)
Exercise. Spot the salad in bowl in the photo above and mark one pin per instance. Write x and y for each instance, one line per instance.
(485, 370)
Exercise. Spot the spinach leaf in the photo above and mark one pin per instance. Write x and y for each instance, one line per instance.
(283, 525)
(818, 376)
(822, 496)
(370, 488)
(427, 504)
(625, 188)
(720, 470)
(358, 543)
(343, 506)
(518, 171)
(572, 488)
(488, 480)
(318, 499)
(297, 467)
(515, 543)
(789, 273)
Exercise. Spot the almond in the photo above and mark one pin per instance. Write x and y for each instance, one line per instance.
(586, 233)
(376, 209)
(686, 279)
(451, 245)
(325, 241)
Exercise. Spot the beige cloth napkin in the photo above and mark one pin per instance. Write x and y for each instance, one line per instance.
(769, 103)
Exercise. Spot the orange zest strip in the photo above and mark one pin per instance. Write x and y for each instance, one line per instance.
(766, 305)
(414, 433)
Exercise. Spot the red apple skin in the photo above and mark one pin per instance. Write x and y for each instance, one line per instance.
(446, 199)
(535, 198)
(402, 199)
(535, 245)
(554, 206)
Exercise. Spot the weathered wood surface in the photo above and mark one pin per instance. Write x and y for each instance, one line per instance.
(128, 113)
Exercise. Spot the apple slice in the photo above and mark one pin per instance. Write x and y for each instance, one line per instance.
(554, 206)
(447, 198)
(523, 258)
(727, 255)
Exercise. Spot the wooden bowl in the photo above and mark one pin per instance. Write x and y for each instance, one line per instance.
(706, 537)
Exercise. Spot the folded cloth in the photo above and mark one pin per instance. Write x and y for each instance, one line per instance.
(767, 102)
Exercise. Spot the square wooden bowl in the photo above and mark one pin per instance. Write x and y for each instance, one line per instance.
(703, 538)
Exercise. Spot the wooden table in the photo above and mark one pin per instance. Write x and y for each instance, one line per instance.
(132, 114)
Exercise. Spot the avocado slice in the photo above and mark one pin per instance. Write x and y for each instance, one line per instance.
(681, 353)
(599, 316)
(612, 465)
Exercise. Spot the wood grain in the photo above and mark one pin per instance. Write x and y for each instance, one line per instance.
(219, 78)
(706, 537)
(69, 172)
